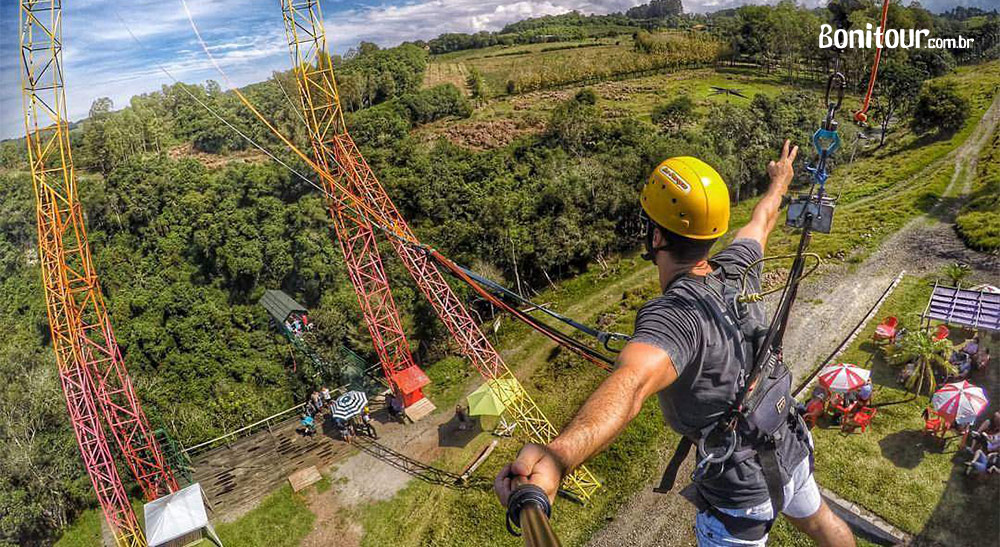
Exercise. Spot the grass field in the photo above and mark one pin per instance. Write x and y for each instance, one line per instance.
(891, 469)
(539, 66)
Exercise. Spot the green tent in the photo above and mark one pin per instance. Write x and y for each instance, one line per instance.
(484, 402)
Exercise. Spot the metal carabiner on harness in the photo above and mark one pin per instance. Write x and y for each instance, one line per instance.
(706, 459)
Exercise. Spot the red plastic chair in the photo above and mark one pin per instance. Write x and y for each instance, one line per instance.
(814, 410)
(886, 330)
(935, 426)
(860, 419)
(941, 333)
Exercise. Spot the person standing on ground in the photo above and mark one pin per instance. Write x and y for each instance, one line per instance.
(684, 350)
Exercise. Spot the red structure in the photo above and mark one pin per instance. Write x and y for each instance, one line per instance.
(348, 180)
(325, 121)
(91, 369)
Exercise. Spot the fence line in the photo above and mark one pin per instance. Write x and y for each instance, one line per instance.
(241, 432)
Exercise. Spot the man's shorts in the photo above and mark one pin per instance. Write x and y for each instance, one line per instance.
(802, 499)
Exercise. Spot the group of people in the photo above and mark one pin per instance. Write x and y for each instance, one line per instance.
(321, 400)
(841, 406)
(984, 445)
(970, 356)
(317, 401)
(297, 324)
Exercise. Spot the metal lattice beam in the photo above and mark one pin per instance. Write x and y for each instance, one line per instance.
(307, 39)
(322, 113)
(91, 369)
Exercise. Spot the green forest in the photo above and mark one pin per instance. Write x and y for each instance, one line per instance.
(190, 224)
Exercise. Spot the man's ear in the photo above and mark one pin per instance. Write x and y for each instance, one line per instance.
(658, 239)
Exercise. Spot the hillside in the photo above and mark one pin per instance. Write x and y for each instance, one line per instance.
(518, 154)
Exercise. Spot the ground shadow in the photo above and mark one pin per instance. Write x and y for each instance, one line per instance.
(905, 448)
(450, 434)
(965, 514)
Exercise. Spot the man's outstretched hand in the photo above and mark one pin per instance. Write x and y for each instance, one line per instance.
(781, 171)
(535, 464)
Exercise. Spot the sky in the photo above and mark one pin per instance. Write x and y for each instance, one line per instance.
(101, 59)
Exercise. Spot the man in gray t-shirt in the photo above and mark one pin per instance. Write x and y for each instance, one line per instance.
(686, 354)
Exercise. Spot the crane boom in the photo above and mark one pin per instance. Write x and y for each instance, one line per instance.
(314, 73)
(322, 114)
(91, 369)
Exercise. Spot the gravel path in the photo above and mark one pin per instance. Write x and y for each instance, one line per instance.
(827, 308)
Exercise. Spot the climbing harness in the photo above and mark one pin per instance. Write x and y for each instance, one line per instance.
(861, 116)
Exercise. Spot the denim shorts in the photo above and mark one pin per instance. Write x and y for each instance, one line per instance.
(802, 499)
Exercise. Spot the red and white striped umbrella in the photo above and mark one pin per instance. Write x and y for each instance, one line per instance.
(843, 377)
(960, 402)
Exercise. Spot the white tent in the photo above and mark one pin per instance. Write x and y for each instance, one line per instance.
(175, 516)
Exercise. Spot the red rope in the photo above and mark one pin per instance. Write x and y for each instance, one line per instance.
(861, 116)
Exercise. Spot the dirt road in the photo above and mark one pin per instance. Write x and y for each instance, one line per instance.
(827, 308)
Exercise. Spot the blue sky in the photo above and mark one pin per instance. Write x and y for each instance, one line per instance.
(247, 37)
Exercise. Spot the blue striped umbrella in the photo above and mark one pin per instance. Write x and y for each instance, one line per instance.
(349, 405)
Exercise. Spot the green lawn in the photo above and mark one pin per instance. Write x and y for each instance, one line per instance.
(281, 520)
(890, 469)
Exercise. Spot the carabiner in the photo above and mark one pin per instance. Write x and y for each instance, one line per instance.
(710, 458)
(841, 85)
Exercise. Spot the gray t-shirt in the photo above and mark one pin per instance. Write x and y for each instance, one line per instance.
(708, 361)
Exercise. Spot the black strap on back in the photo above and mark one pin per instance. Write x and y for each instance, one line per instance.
(767, 456)
(670, 473)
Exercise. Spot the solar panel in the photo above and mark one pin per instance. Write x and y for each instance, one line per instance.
(976, 309)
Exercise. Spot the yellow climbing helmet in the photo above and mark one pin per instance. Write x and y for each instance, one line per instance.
(686, 196)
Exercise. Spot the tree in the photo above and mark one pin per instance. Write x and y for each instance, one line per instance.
(656, 9)
(927, 355)
(896, 89)
(477, 86)
(940, 107)
(675, 114)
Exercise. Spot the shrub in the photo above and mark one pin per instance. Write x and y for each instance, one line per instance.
(379, 126)
(675, 114)
(438, 102)
(586, 96)
(939, 106)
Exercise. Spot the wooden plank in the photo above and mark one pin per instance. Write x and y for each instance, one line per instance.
(304, 478)
(418, 410)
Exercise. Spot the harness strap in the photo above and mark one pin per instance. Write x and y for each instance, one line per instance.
(768, 458)
(743, 528)
(670, 473)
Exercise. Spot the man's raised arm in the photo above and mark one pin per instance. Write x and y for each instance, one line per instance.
(765, 213)
(642, 370)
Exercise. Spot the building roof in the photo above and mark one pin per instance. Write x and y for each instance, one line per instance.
(971, 308)
(279, 305)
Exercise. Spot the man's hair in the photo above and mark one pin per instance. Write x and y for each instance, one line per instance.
(685, 250)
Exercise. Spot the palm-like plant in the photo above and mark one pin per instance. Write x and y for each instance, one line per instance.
(957, 272)
(927, 355)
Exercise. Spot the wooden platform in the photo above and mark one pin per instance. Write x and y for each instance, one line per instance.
(304, 478)
(236, 477)
(418, 410)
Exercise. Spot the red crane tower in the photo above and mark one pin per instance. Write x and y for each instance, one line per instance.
(91, 368)
(349, 179)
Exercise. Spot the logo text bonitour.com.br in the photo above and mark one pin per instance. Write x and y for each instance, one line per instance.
(889, 38)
